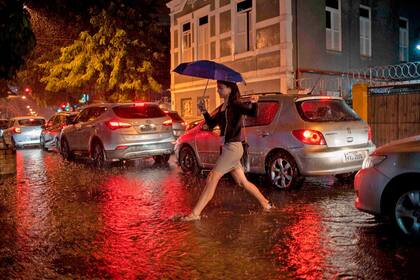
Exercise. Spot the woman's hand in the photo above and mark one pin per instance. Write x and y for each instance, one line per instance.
(201, 104)
(254, 98)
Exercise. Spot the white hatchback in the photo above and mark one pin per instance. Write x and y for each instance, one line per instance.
(389, 184)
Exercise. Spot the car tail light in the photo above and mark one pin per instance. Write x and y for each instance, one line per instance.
(369, 134)
(309, 136)
(167, 123)
(139, 104)
(116, 125)
(17, 130)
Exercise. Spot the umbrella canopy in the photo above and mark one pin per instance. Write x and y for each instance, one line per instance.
(209, 70)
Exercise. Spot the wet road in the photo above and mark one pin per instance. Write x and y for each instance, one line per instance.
(66, 220)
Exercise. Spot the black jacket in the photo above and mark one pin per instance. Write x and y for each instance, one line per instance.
(233, 115)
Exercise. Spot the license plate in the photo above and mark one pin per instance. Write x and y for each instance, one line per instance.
(354, 156)
(34, 138)
(147, 127)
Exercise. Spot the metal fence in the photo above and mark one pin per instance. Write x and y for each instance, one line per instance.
(340, 84)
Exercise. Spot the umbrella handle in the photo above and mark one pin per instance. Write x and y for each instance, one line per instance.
(204, 93)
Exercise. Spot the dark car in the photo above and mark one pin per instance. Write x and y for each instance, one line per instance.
(51, 131)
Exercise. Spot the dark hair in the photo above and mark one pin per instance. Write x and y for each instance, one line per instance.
(234, 90)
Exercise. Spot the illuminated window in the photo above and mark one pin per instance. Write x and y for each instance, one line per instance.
(333, 25)
(186, 107)
(403, 39)
(243, 30)
(365, 31)
(186, 42)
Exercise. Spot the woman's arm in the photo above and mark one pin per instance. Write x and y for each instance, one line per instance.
(211, 121)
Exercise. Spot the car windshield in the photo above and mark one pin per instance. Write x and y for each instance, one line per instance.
(326, 110)
(143, 111)
(175, 117)
(31, 122)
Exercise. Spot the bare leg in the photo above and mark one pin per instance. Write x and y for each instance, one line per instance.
(240, 178)
(207, 194)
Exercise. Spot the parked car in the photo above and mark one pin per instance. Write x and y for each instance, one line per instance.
(51, 130)
(388, 184)
(23, 131)
(178, 124)
(4, 123)
(292, 136)
(119, 131)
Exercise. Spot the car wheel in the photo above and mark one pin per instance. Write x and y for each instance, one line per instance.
(98, 155)
(406, 212)
(161, 158)
(282, 171)
(188, 161)
(65, 150)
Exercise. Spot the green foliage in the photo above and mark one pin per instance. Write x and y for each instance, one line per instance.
(116, 62)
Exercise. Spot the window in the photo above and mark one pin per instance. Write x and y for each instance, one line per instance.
(203, 38)
(333, 24)
(403, 39)
(143, 111)
(266, 113)
(243, 41)
(326, 110)
(365, 31)
(186, 107)
(186, 43)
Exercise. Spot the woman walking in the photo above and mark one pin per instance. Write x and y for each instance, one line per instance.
(229, 118)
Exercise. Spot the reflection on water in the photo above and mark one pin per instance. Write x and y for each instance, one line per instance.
(67, 220)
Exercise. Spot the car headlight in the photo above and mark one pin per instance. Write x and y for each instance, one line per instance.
(372, 161)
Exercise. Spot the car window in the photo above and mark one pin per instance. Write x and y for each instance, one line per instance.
(326, 110)
(84, 115)
(31, 122)
(68, 119)
(95, 112)
(266, 113)
(143, 111)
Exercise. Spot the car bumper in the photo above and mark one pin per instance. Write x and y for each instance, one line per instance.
(24, 140)
(140, 151)
(369, 184)
(315, 161)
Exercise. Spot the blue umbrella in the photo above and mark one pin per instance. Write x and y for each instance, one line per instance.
(209, 70)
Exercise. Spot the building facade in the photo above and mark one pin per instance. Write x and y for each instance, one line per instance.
(286, 45)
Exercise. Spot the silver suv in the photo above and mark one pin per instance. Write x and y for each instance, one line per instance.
(292, 136)
(119, 131)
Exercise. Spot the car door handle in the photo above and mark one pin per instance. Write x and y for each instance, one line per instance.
(265, 134)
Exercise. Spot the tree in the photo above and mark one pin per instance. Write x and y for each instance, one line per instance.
(115, 59)
(16, 40)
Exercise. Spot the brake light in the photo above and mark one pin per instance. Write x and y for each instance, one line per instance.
(309, 136)
(139, 104)
(167, 123)
(116, 125)
(369, 134)
(17, 130)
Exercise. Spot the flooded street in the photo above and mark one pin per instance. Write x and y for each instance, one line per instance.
(67, 220)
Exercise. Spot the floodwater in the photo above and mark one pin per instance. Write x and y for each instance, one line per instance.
(67, 220)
